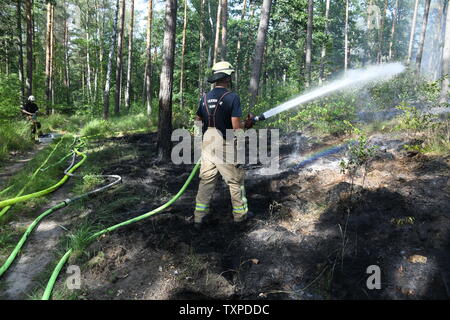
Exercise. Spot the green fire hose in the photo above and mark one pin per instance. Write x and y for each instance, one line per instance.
(63, 260)
(60, 205)
(5, 209)
(10, 202)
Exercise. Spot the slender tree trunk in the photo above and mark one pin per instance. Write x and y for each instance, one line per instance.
(66, 59)
(309, 30)
(109, 67)
(202, 39)
(422, 36)
(183, 52)
(223, 47)
(381, 33)
(119, 60)
(446, 61)
(394, 20)
(52, 60)
(88, 66)
(238, 49)
(166, 82)
(413, 32)
(346, 35)
(130, 59)
(20, 44)
(217, 34)
(48, 56)
(324, 45)
(30, 30)
(148, 61)
(259, 51)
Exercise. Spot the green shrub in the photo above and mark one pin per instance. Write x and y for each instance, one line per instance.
(413, 119)
(96, 127)
(14, 136)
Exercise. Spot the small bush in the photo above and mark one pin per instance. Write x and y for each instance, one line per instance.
(96, 127)
(14, 136)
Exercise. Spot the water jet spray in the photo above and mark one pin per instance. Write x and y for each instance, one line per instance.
(353, 78)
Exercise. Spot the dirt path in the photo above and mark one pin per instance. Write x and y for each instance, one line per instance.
(40, 249)
(10, 167)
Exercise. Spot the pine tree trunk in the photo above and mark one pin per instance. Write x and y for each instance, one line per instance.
(346, 35)
(48, 56)
(217, 34)
(381, 33)
(324, 47)
(183, 52)
(238, 49)
(166, 82)
(223, 46)
(394, 20)
(148, 61)
(30, 31)
(259, 51)
(20, 45)
(446, 61)
(130, 59)
(66, 59)
(202, 41)
(413, 32)
(119, 60)
(422, 36)
(109, 67)
(309, 30)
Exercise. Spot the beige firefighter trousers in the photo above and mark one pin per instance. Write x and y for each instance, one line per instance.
(218, 158)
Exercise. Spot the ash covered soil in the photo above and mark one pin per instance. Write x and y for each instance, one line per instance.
(312, 237)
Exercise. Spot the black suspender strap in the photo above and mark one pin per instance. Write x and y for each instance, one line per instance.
(212, 117)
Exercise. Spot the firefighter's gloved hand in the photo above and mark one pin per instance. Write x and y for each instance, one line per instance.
(249, 121)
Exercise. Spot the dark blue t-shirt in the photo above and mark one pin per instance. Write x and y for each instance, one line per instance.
(229, 107)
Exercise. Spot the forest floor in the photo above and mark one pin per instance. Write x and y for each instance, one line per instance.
(313, 235)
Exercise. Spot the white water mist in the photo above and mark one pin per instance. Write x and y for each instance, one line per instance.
(351, 79)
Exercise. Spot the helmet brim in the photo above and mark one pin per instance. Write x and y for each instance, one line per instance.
(218, 76)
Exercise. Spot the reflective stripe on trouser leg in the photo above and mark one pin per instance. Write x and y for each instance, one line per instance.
(234, 177)
(208, 179)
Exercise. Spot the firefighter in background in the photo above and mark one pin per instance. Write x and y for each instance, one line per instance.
(220, 110)
(30, 109)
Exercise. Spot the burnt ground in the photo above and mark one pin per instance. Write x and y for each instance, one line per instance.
(313, 235)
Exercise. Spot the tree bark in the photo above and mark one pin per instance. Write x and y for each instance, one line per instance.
(183, 52)
(238, 49)
(217, 34)
(446, 61)
(166, 82)
(223, 47)
(259, 51)
(394, 20)
(324, 45)
(30, 30)
(309, 30)
(49, 56)
(148, 61)
(202, 39)
(20, 45)
(119, 60)
(109, 67)
(381, 33)
(422, 36)
(346, 36)
(130, 59)
(412, 33)
(66, 59)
